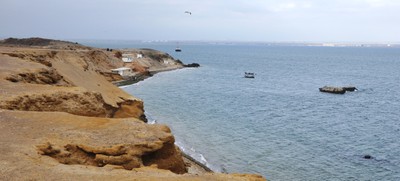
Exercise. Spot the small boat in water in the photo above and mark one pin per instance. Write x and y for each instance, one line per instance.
(249, 75)
(177, 49)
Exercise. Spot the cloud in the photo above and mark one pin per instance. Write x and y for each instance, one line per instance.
(211, 19)
(284, 7)
(380, 3)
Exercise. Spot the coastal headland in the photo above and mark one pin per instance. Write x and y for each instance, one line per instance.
(62, 117)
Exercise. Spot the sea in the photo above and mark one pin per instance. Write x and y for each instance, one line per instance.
(278, 124)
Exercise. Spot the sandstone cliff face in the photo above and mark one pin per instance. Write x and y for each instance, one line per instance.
(60, 119)
(77, 87)
(75, 140)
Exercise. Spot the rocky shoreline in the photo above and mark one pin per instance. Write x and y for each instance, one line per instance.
(194, 166)
(62, 118)
(129, 80)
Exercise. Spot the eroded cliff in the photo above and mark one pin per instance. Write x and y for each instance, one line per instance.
(64, 80)
(60, 118)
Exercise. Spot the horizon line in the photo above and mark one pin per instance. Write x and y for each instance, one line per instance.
(336, 42)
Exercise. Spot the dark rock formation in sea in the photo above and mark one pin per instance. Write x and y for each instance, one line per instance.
(337, 90)
(192, 65)
(334, 90)
(368, 157)
(350, 88)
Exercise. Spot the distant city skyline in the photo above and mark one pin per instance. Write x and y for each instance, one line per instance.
(208, 20)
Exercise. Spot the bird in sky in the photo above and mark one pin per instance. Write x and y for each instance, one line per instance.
(188, 12)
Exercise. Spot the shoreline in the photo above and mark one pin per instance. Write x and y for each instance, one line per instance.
(140, 77)
(194, 166)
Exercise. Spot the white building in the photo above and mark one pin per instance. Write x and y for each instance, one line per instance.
(123, 71)
(127, 58)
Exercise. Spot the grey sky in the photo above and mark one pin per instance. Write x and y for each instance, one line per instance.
(241, 20)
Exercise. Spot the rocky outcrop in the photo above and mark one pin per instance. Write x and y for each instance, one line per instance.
(78, 103)
(350, 88)
(127, 143)
(41, 76)
(146, 145)
(334, 90)
(35, 57)
(192, 65)
(337, 90)
(368, 157)
(112, 77)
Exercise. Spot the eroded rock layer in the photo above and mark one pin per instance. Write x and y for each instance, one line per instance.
(61, 119)
(128, 143)
(77, 86)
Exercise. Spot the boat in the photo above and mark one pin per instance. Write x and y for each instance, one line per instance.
(177, 49)
(249, 75)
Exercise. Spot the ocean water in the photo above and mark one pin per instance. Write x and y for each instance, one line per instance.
(279, 124)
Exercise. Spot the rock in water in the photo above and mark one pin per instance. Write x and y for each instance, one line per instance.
(192, 65)
(334, 90)
(350, 88)
(368, 157)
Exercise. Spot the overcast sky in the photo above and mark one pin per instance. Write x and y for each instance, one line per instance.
(222, 20)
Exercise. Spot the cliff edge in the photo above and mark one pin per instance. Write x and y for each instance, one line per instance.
(60, 118)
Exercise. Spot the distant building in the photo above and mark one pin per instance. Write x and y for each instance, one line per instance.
(168, 62)
(328, 45)
(127, 58)
(123, 71)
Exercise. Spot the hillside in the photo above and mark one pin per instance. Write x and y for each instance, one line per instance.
(60, 118)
